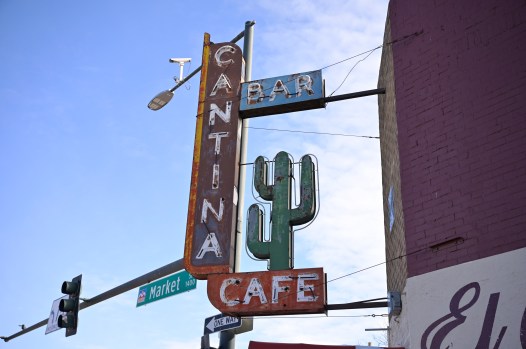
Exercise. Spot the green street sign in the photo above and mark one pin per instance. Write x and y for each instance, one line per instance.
(169, 286)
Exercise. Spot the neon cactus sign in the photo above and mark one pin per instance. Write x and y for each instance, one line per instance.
(279, 251)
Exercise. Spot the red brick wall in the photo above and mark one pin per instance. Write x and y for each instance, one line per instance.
(461, 114)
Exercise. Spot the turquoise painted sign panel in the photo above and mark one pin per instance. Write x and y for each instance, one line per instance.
(166, 287)
(282, 94)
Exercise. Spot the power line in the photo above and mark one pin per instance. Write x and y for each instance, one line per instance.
(322, 284)
(354, 66)
(376, 48)
(378, 264)
(313, 132)
(349, 58)
(368, 52)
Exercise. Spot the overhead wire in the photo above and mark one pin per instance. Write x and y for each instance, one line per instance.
(369, 52)
(352, 57)
(354, 66)
(324, 283)
(313, 132)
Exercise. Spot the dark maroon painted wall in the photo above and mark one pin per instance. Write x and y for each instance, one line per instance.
(461, 112)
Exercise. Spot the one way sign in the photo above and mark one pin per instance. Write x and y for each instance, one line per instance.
(221, 322)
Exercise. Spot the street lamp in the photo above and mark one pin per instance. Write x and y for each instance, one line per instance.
(162, 98)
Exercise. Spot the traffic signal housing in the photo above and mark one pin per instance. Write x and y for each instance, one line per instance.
(70, 306)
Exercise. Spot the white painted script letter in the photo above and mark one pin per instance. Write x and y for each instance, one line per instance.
(210, 245)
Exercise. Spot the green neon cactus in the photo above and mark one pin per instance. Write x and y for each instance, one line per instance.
(279, 250)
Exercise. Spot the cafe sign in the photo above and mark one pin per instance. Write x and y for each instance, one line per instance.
(273, 292)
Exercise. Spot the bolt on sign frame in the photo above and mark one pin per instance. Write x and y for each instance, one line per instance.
(211, 222)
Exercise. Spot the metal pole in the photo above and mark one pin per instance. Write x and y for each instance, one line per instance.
(370, 303)
(247, 55)
(141, 280)
(227, 339)
(168, 269)
(181, 65)
(378, 91)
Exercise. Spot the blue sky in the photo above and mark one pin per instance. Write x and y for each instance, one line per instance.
(94, 182)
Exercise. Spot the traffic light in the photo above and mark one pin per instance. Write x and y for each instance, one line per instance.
(70, 306)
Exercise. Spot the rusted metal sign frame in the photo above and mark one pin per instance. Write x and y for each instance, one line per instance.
(282, 94)
(211, 222)
(274, 292)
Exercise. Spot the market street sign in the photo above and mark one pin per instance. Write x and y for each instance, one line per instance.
(212, 206)
(166, 287)
(282, 94)
(273, 292)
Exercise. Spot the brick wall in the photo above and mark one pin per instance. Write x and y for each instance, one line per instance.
(393, 226)
(461, 123)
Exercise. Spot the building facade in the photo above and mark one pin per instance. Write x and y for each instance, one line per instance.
(453, 144)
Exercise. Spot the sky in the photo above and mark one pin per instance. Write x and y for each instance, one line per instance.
(92, 182)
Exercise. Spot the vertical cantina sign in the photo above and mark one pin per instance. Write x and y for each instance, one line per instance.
(211, 223)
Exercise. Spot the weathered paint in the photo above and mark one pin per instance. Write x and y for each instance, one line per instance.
(280, 249)
(210, 232)
(296, 291)
(479, 304)
(282, 94)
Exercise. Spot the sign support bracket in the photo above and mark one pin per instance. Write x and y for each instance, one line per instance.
(370, 303)
(377, 91)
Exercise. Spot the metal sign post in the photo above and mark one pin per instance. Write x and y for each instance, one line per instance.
(227, 340)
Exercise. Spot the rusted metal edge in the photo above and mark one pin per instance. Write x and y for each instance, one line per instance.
(196, 160)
